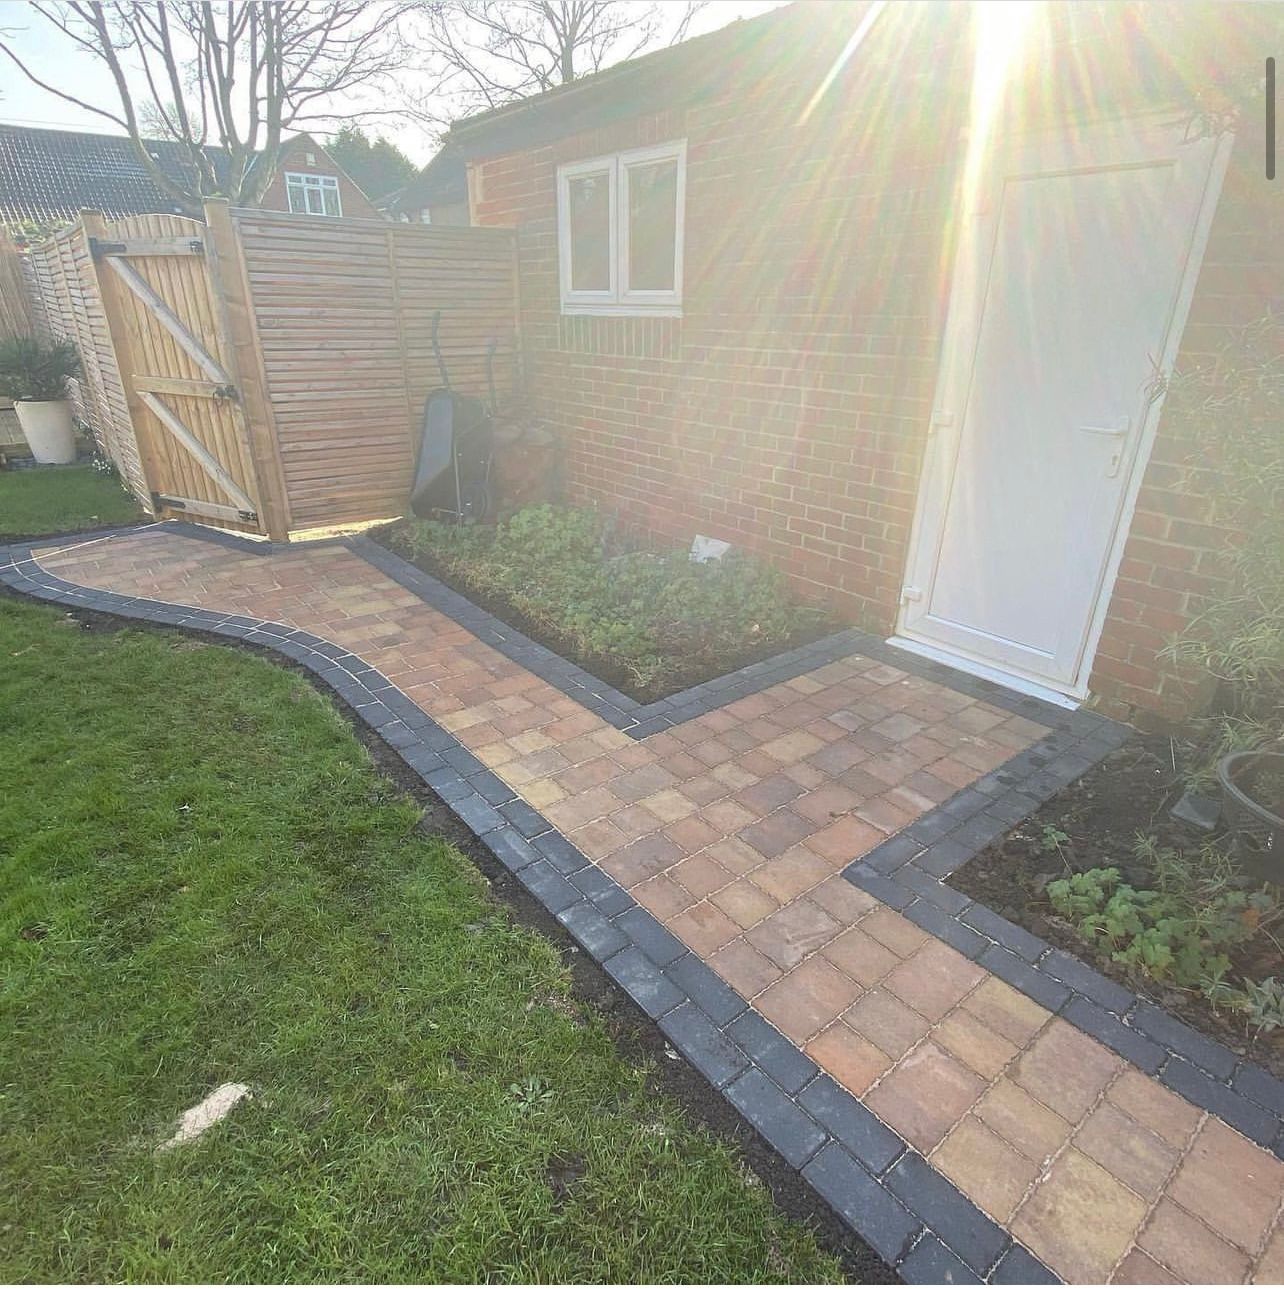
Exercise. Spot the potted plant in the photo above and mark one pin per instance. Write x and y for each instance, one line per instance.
(34, 373)
(1253, 805)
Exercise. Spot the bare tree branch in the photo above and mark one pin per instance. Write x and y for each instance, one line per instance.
(483, 53)
(236, 74)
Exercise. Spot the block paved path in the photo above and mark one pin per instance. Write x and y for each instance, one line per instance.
(733, 830)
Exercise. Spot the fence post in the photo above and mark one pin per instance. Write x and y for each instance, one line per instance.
(230, 283)
(402, 348)
(15, 307)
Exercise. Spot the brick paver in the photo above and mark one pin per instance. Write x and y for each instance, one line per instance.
(733, 829)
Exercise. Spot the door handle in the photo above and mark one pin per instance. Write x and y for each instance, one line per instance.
(1118, 431)
(1111, 431)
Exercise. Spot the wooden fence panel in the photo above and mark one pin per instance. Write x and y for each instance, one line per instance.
(343, 312)
(67, 304)
(272, 359)
(16, 319)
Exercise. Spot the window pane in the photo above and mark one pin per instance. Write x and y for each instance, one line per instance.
(331, 194)
(653, 223)
(298, 198)
(589, 204)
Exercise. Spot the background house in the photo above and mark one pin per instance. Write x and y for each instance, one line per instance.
(48, 176)
(438, 194)
(753, 285)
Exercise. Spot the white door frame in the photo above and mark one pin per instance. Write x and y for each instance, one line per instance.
(954, 373)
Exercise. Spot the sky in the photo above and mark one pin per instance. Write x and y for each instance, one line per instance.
(46, 51)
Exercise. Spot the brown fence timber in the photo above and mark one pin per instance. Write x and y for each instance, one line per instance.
(343, 311)
(265, 371)
(15, 304)
(67, 304)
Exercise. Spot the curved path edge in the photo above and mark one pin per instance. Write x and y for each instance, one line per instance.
(881, 1189)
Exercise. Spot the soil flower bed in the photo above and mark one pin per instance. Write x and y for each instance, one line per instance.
(645, 619)
(1116, 818)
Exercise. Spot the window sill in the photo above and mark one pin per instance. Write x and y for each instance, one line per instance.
(621, 310)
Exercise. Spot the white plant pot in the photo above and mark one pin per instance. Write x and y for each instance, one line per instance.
(49, 431)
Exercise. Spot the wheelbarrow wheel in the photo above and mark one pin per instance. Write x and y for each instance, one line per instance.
(475, 502)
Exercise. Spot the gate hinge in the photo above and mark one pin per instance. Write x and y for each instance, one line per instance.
(248, 516)
(98, 248)
(225, 391)
(911, 594)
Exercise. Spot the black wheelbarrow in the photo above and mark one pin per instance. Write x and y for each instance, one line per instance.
(456, 448)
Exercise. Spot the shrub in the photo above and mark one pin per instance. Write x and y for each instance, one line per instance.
(33, 369)
(573, 572)
(1233, 410)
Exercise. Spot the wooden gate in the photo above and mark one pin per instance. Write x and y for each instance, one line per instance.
(266, 372)
(165, 284)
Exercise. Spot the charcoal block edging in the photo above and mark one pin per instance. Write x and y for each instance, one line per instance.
(640, 720)
(910, 870)
(759, 1071)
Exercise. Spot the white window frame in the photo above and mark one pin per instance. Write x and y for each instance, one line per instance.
(318, 183)
(619, 298)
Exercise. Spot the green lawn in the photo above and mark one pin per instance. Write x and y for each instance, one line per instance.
(203, 879)
(61, 499)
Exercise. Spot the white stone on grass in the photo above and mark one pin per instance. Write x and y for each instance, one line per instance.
(218, 1105)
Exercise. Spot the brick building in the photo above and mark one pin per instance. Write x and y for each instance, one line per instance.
(47, 177)
(877, 293)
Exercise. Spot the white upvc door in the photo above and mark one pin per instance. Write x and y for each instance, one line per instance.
(1073, 278)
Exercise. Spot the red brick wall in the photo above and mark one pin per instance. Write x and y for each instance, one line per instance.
(294, 158)
(786, 410)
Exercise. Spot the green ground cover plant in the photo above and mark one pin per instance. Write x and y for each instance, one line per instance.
(204, 880)
(649, 611)
(1190, 930)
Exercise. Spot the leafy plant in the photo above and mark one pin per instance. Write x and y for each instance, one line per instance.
(573, 571)
(1183, 931)
(1052, 839)
(33, 369)
(1264, 1004)
(1180, 932)
(531, 1094)
(102, 464)
(30, 232)
(1082, 895)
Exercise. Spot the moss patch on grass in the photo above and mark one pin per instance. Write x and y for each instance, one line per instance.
(203, 880)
